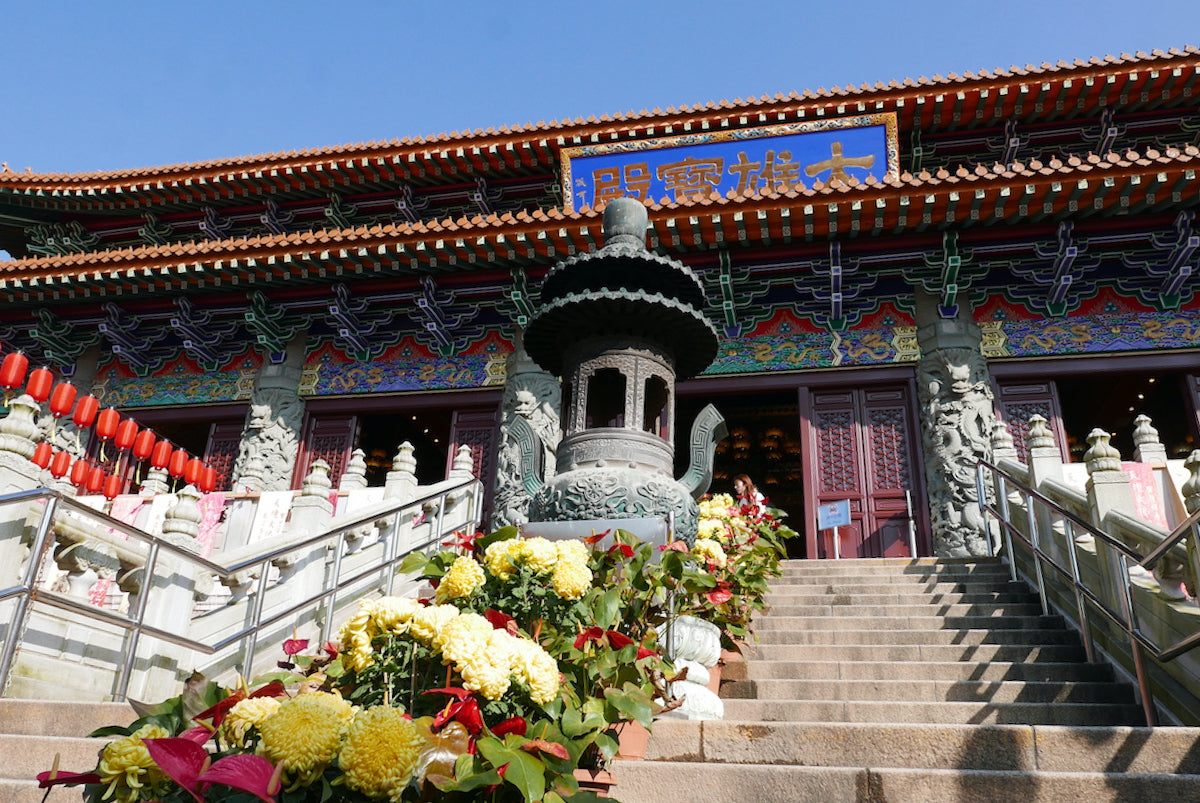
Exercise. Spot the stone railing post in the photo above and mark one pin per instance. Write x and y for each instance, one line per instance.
(312, 512)
(1147, 447)
(1108, 489)
(355, 476)
(401, 481)
(18, 431)
(1045, 463)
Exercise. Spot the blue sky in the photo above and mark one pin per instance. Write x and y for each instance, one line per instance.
(105, 86)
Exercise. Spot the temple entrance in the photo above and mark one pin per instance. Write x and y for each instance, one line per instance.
(860, 445)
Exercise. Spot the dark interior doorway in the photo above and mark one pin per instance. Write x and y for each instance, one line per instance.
(763, 442)
(427, 429)
(1112, 400)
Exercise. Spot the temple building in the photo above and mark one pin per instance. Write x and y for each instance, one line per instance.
(891, 268)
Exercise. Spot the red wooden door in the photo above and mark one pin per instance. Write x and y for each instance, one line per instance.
(1018, 401)
(329, 438)
(860, 447)
(224, 438)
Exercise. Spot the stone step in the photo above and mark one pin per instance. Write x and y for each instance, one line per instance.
(26, 756)
(956, 712)
(850, 585)
(777, 622)
(680, 782)
(775, 598)
(904, 610)
(913, 670)
(924, 637)
(55, 718)
(1169, 751)
(918, 652)
(857, 568)
(999, 691)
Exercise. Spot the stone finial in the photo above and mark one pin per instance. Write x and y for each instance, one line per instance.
(625, 223)
(156, 482)
(464, 463)
(1191, 488)
(1148, 448)
(252, 479)
(355, 475)
(183, 519)
(1101, 456)
(1002, 442)
(1039, 434)
(18, 429)
(317, 483)
(402, 479)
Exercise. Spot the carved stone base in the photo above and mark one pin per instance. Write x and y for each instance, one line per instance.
(616, 492)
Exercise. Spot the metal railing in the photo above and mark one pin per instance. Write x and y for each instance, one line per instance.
(27, 592)
(1087, 600)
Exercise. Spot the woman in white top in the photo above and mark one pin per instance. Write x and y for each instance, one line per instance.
(747, 495)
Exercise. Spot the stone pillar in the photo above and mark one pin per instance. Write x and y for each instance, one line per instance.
(535, 395)
(355, 475)
(1108, 489)
(401, 482)
(271, 437)
(1147, 447)
(1045, 463)
(18, 431)
(954, 390)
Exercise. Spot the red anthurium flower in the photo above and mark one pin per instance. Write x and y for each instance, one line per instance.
(466, 713)
(595, 538)
(216, 713)
(181, 759)
(589, 634)
(294, 646)
(56, 777)
(460, 540)
(625, 549)
(535, 746)
(719, 596)
(618, 640)
(246, 773)
(199, 734)
(272, 689)
(515, 725)
(501, 621)
(453, 691)
(645, 653)
(330, 649)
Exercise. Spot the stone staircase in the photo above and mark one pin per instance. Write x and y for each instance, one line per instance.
(32, 731)
(914, 681)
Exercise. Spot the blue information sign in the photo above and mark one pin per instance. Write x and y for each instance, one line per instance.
(833, 514)
(770, 159)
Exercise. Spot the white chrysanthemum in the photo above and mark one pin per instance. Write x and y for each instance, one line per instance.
(462, 580)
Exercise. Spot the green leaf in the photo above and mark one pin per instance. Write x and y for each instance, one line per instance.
(524, 771)
(413, 564)
(608, 608)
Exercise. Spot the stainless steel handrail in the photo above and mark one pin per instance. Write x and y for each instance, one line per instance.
(26, 592)
(1126, 556)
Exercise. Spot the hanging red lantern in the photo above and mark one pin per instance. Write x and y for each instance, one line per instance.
(39, 384)
(161, 456)
(85, 411)
(127, 431)
(41, 454)
(60, 464)
(112, 486)
(192, 469)
(79, 472)
(178, 464)
(95, 479)
(208, 480)
(106, 423)
(143, 444)
(12, 370)
(62, 399)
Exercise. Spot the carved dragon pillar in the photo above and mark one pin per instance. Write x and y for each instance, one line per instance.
(954, 389)
(271, 436)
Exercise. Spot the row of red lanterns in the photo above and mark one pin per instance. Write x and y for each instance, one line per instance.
(125, 434)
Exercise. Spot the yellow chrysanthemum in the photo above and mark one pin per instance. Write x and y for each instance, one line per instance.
(462, 580)
(709, 550)
(717, 507)
(571, 579)
(358, 658)
(380, 754)
(710, 528)
(126, 768)
(538, 554)
(464, 637)
(496, 558)
(392, 614)
(490, 675)
(427, 621)
(572, 551)
(358, 630)
(537, 668)
(249, 713)
(304, 735)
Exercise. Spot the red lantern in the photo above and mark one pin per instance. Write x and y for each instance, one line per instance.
(41, 454)
(161, 456)
(143, 444)
(95, 479)
(85, 411)
(62, 399)
(208, 480)
(60, 464)
(127, 430)
(178, 464)
(40, 382)
(191, 471)
(12, 370)
(106, 423)
(79, 472)
(112, 486)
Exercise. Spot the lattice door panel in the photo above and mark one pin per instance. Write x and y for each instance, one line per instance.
(224, 439)
(1017, 402)
(329, 438)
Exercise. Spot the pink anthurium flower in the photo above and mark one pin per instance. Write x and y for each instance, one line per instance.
(246, 773)
(294, 646)
(501, 621)
(56, 777)
(181, 760)
(199, 734)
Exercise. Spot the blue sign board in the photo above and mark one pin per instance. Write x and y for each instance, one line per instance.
(833, 514)
(744, 161)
